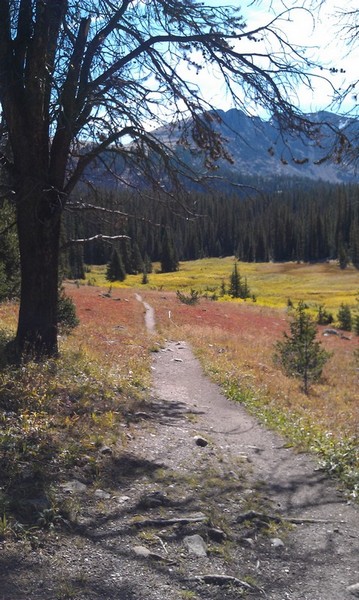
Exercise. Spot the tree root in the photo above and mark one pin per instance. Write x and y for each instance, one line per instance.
(162, 522)
(252, 514)
(216, 579)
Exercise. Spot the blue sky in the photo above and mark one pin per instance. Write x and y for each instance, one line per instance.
(325, 43)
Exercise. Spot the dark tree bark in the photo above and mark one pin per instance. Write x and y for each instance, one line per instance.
(39, 236)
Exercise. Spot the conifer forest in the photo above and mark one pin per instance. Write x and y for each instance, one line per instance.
(296, 220)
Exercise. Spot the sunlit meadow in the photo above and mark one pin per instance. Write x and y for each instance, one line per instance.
(272, 283)
(56, 416)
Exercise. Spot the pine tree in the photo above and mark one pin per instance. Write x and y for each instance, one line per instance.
(115, 269)
(66, 315)
(144, 277)
(356, 320)
(76, 267)
(245, 291)
(344, 317)
(169, 261)
(343, 257)
(137, 260)
(238, 288)
(126, 256)
(147, 263)
(223, 289)
(235, 283)
(324, 317)
(299, 354)
(354, 243)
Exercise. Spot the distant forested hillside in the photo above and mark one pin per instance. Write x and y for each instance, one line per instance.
(295, 220)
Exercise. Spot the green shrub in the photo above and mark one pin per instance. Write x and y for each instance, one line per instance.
(66, 315)
(192, 298)
(324, 317)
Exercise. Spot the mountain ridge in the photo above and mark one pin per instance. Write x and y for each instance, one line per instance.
(257, 149)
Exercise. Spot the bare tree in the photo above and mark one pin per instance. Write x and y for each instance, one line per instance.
(78, 78)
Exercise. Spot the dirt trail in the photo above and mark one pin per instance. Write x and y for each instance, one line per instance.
(321, 556)
(149, 315)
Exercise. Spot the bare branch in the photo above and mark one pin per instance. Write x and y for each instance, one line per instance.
(82, 206)
(99, 236)
(86, 158)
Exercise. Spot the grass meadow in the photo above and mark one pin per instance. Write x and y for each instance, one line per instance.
(272, 283)
(55, 417)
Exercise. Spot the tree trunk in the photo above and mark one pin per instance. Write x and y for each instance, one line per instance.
(38, 223)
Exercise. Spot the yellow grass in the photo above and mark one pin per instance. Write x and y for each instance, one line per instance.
(272, 283)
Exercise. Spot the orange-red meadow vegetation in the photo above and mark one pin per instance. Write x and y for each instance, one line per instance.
(111, 326)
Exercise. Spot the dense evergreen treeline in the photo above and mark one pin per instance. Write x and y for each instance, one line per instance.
(296, 220)
(301, 221)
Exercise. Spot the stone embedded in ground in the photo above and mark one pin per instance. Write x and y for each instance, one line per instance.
(141, 415)
(200, 441)
(247, 541)
(354, 590)
(73, 486)
(141, 551)
(154, 499)
(217, 535)
(102, 495)
(123, 499)
(276, 543)
(195, 544)
(105, 450)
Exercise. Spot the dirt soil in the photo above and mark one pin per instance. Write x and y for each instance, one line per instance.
(199, 502)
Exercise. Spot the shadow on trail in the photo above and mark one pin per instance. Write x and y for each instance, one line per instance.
(164, 412)
(297, 486)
